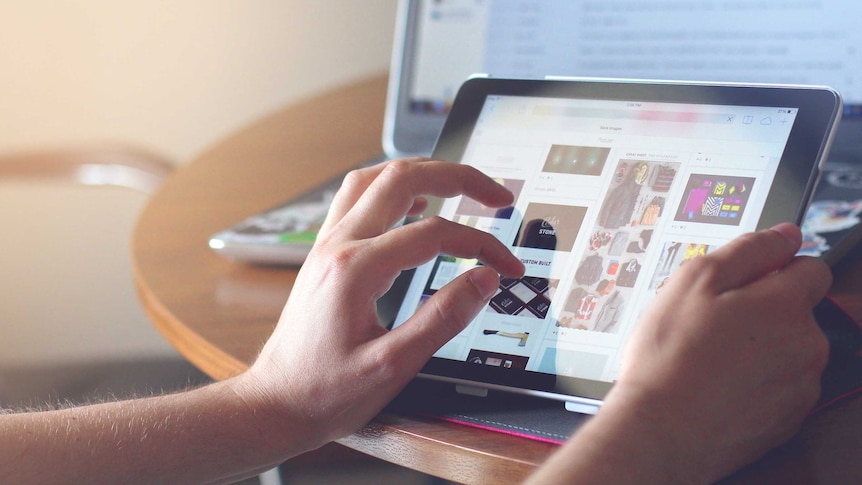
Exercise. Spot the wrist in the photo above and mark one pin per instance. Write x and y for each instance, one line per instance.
(643, 438)
(270, 419)
(627, 442)
(668, 433)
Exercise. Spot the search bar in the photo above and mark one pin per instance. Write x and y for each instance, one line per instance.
(636, 114)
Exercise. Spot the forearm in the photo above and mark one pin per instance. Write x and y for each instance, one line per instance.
(622, 446)
(203, 435)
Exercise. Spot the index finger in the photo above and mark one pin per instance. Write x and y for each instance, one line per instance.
(355, 183)
(394, 190)
(752, 256)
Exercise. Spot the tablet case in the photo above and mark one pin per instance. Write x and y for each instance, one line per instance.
(547, 420)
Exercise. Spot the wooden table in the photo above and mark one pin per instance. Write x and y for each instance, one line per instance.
(218, 313)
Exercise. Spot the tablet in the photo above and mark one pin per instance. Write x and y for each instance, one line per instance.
(617, 183)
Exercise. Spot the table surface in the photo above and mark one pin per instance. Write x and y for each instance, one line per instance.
(218, 313)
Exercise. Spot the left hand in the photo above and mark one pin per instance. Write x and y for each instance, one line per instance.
(329, 366)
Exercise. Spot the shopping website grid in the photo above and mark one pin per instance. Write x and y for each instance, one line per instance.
(611, 197)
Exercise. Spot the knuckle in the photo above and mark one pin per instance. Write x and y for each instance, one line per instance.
(449, 313)
(469, 241)
(432, 228)
(755, 245)
(762, 242)
(337, 262)
(749, 238)
(398, 169)
(706, 269)
(399, 173)
(355, 179)
(434, 223)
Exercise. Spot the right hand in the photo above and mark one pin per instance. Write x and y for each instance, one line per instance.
(729, 356)
(724, 365)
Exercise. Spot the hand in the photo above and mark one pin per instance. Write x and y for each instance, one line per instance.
(329, 366)
(327, 369)
(724, 365)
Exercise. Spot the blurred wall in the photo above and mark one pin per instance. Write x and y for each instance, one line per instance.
(173, 77)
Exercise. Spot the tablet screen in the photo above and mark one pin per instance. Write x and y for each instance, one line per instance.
(611, 197)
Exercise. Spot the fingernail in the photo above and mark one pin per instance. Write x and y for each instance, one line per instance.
(486, 281)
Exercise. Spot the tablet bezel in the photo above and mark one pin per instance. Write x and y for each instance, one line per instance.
(805, 152)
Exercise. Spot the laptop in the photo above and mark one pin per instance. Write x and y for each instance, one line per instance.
(440, 43)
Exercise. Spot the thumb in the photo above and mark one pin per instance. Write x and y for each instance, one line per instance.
(442, 317)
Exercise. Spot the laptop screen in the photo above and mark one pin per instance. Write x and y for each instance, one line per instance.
(764, 41)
